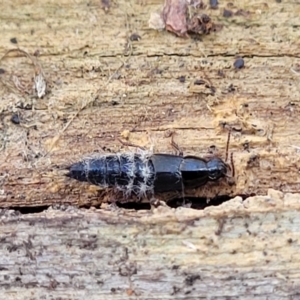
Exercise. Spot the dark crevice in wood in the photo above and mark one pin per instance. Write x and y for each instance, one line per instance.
(201, 202)
(29, 210)
(191, 202)
(198, 202)
(134, 205)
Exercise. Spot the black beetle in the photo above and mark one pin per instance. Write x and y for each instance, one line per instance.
(143, 174)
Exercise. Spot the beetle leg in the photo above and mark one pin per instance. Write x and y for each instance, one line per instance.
(130, 144)
(230, 178)
(154, 202)
(175, 146)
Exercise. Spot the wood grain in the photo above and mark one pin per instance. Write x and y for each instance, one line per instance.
(233, 251)
(101, 84)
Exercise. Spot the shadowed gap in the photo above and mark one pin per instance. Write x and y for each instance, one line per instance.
(29, 210)
(191, 202)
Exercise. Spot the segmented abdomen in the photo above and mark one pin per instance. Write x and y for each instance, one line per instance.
(129, 173)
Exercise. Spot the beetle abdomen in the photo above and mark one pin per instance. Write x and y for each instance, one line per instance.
(129, 173)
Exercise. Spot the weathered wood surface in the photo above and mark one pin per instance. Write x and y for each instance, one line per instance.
(239, 250)
(101, 84)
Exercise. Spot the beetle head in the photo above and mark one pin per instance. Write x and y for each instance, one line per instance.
(217, 169)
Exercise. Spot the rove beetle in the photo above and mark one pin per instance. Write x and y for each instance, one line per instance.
(144, 174)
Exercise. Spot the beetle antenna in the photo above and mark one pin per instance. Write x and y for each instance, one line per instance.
(232, 165)
(227, 145)
(231, 155)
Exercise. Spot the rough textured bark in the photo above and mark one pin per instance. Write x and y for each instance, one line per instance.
(102, 85)
(239, 250)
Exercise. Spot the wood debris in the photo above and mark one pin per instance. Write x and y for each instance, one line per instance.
(182, 17)
(175, 16)
(24, 85)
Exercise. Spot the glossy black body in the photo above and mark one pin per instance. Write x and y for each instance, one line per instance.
(156, 173)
